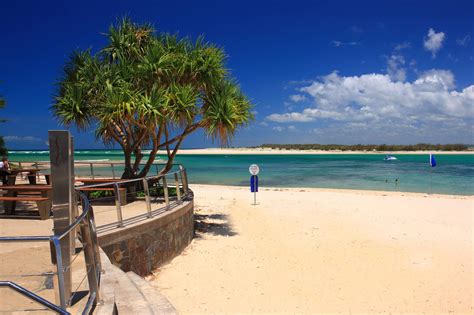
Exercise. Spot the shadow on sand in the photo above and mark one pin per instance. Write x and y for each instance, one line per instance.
(205, 224)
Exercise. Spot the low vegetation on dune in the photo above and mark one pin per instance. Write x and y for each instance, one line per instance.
(369, 147)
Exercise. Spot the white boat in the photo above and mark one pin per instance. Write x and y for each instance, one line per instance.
(389, 158)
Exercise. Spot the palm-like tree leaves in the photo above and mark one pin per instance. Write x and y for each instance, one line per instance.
(150, 89)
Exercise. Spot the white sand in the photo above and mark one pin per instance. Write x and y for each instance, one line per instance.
(324, 251)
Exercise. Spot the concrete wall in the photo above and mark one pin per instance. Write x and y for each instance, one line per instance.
(146, 245)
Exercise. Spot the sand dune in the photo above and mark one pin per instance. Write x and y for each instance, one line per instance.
(324, 251)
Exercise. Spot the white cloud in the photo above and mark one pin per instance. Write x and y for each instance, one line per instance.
(338, 43)
(463, 41)
(281, 129)
(402, 46)
(296, 98)
(434, 41)
(21, 139)
(395, 69)
(296, 117)
(379, 106)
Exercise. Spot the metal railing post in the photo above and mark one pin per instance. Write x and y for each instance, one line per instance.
(95, 240)
(61, 294)
(113, 170)
(178, 190)
(89, 255)
(184, 179)
(147, 197)
(92, 170)
(165, 190)
(118, 204)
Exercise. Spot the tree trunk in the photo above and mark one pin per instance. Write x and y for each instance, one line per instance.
(128, 172)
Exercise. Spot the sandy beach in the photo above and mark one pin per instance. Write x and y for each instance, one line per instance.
(324, 251)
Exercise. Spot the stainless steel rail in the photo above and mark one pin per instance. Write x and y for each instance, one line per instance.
(180, 184)
(92, 166)
(88, 235)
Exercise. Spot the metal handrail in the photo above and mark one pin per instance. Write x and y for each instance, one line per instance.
(91, 164)
(88, 235)
(85, 219)
(176, 175)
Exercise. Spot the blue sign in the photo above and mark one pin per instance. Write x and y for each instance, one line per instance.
(254, 183)
(432, 160)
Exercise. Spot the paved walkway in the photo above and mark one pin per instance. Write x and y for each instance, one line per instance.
(34, 260)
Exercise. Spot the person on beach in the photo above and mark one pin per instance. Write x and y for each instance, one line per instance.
(4, 170)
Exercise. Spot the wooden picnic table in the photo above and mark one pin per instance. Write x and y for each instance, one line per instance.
(32, 173)
(43, 199)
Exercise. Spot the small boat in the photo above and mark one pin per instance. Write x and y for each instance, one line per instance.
(389, 158)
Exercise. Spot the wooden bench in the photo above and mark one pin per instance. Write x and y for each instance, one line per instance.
(122, 192)
(43, 203)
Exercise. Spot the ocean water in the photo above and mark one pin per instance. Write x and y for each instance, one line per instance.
(412, 173)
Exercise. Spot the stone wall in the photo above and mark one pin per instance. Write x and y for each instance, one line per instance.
(146, 245)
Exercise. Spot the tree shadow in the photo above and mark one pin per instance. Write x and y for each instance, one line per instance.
(23, 210)
(203, 224)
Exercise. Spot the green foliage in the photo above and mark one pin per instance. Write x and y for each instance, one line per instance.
(3, 149)
(150, 90)
(369, 147)
(101, 194)
(160, 192)
(154, 192)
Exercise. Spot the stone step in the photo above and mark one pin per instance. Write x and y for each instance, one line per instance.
(128, 298)
(157, 302)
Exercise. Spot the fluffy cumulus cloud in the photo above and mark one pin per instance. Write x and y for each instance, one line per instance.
(297, 98)
(433, 41)
(395, 68)
(385, 104)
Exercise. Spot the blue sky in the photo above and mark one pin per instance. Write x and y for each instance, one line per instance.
(317, 71)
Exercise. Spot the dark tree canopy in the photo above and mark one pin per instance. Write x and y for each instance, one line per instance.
(150, 90)
(3, 149)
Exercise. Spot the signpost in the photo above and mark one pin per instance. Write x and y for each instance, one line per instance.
(254, 170)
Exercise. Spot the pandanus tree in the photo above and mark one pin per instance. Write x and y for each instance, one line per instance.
(150, 91)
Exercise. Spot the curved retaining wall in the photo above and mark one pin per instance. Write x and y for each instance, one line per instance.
(146, 245)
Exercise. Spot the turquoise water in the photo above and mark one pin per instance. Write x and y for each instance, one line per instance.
(453, 175)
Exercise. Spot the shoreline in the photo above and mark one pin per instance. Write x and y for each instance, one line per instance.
(249, 151)
(263, 151)
(370, 192)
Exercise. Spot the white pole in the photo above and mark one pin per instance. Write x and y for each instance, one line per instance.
(431, 180)
(255, 189)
